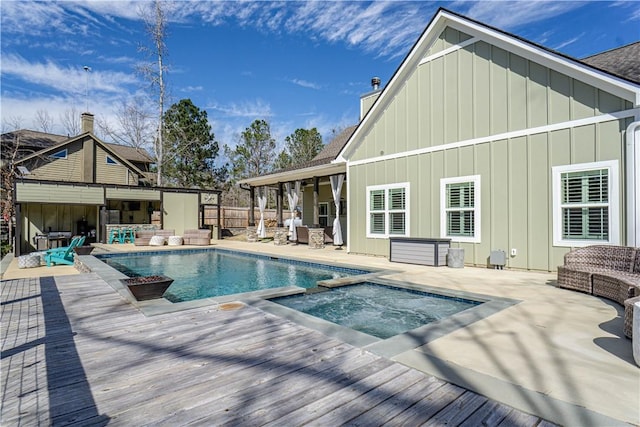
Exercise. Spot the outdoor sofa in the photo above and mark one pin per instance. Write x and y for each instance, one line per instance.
(200, 237)
(611, 272)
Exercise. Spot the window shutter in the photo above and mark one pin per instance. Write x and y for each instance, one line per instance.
(581, 191)
(377, 223)
(377, 200)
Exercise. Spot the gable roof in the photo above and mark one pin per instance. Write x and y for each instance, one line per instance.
(621, 86)
(132, 154)
(622, 61)
(107, 147)
(31, 140)
(321, 165)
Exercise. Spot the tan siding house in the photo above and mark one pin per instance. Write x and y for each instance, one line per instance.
(495, 143)
(81, 185)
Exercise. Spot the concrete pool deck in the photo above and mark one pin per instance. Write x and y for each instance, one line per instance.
(557, 354)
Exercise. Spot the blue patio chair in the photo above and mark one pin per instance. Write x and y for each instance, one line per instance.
(114, 236)
(63, 255)
(76, 241)
(127, 234)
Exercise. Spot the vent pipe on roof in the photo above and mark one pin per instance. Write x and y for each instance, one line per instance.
(375, 83)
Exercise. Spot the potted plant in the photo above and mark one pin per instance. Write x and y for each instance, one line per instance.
(147, 287)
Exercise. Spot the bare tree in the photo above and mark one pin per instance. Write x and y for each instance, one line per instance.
(71, 121)
(10, 148)
(154, 71)
(134, 125)
(43, 121)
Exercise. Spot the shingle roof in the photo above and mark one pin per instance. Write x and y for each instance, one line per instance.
(327, 154)
(622, 61)
(132, 154)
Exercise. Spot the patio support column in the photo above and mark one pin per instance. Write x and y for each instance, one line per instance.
(279, 205)
(316, 211)
(17, 235)
(252, 206)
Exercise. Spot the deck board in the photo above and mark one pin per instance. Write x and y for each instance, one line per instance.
(73, 351)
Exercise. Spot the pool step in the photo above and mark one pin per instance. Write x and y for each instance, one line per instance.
(316, 290)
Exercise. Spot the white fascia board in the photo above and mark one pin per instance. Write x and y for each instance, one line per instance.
(432, 31)
(559, 63)
(298, 174)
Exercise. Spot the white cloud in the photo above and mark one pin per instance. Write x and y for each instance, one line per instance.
(305, 84)
(191, 89)
(509, 15)
(67, 79)
(568, 42)
(250, 109)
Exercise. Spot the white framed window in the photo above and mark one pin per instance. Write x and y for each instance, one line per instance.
(585, 204)
(388, 210)
(111, 161)
(460, 208)
(62, 154)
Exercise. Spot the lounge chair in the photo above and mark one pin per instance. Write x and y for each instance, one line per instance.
(63, 255)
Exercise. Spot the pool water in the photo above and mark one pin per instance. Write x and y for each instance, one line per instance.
(378, 310)
(214, 273)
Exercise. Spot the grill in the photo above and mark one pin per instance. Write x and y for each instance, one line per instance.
(52, 239)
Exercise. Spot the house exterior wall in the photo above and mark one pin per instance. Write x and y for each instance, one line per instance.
(181, 211)
(69, 169)
(471, 112)
(112, 173)
(475, 92)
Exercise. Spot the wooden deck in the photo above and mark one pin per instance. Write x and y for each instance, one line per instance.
(74, 352)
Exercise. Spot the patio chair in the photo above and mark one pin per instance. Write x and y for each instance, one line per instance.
(303, 234)
(76, 241)
(62, 255)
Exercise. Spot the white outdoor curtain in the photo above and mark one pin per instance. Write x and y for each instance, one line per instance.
(262, 204)
(293, 195)
(336, 189)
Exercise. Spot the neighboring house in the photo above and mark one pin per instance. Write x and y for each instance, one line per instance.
(79, 185)
(495, 142)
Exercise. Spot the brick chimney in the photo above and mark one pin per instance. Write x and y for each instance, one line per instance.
(87, 122)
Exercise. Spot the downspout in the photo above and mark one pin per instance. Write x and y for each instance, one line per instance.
(633, 184)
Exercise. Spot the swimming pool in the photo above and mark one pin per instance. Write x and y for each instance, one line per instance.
(376, 309)
(209, 273)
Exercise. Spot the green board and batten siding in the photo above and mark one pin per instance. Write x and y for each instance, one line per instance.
(39, 192)
(113, 173)
(478, 91)
(119, 193)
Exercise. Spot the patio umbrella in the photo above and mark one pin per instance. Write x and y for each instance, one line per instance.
(336, 189)
(293, 194)
(262, 204)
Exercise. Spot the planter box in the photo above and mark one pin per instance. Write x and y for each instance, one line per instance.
(148, 287)
(83, 250)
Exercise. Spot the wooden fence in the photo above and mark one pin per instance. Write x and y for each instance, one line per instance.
(232, 217)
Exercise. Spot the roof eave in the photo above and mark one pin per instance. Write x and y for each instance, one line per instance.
(295, 175)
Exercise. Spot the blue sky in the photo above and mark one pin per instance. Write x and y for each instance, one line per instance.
(297, 64)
